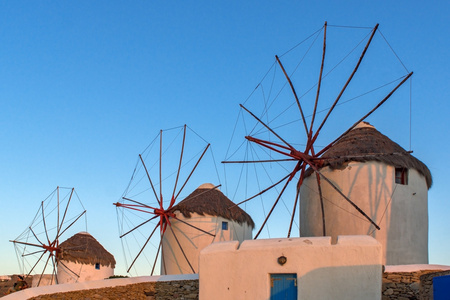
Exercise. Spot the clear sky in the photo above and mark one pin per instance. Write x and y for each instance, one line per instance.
(86, 85)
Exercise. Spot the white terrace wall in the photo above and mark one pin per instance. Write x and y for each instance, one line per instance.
(85, 272)
(350, 269)
(401, 211)
(193, 240)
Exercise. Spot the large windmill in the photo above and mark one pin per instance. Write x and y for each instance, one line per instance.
(284, 130)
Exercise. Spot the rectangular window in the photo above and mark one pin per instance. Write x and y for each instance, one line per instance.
(224, 225)
(97, 266)
(401, 176)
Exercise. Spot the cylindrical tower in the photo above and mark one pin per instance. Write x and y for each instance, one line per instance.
(385, 181)
(204, 217)
(83, 258)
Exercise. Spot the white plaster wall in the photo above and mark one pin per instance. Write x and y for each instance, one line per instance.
(193, 241)
(86, 272)
(401, 211)
(350, 269)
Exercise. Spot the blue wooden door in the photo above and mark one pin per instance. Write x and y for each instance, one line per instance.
(283, 286)
(441, 287)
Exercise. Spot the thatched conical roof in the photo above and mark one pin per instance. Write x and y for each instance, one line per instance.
(85, 249)
(365, 143)
(209, 200)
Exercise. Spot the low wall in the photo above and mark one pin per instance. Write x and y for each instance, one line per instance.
(411, 281)
(148, 287)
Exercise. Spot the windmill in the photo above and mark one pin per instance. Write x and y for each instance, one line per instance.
(38, 247)
(285, 138)
(165, 171)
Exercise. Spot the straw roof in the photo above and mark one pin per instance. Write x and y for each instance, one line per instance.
(85, 249)
(209, 200)
(365, 143)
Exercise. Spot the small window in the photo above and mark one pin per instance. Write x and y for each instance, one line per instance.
(224, 225)
(401, 176)
(97, 266)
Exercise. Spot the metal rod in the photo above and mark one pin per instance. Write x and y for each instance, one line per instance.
(172, 200)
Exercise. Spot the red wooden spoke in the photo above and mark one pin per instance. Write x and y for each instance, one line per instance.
(71, 224)
(67, 268)
(37, 262)
(143, 223)
(35, 236)
(257, 161)
(273, 207)
(32, 253)
(347, 83)
(43, 219)
(195, 227)
(172, 200)
(265, 125)
(190, 174)
(320, 79)
(142, 249)
(263, 191)
(156, 258)
(149, 179)
(65, 211)
(160, 172)
(367, 115)
(319, 188)
(45, 267)
(294, 92)
(137, 206)
(345, 197)
(182, 251)
(297, 198)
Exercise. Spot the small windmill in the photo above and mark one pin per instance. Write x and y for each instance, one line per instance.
(38, 247)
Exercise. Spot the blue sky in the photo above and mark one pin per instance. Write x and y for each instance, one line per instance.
(85, 86)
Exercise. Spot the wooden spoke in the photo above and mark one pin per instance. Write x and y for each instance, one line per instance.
(297, 196)
(270, 129)
(190, 174)
(320, 80)
(273, 207)
(172, 200)
(42, 255)
(149, 179)
(156, 258)
(345, 197)
(294, 92)
(263, 191)
(258, 161)
(71, 224)
(195, 227)
(143, 223)
(65, 211)
(142, 249)
(368, 114)
(67, 268)
(160, 169)
(322, 208)
(182, 251)
(347, 83)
